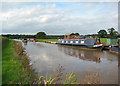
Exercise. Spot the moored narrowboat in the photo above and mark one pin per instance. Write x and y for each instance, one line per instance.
(88, 42)
(115, 49)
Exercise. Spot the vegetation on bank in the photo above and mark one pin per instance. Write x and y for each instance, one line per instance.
(69, 78)
(46, 40)
(15, 64)
(39, 35)
(110, 33)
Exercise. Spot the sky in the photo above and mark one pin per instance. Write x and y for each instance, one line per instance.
(57, 18)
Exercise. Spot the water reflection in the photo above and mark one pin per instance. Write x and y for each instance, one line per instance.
(46, 57)
(84, 55)
(40, 45)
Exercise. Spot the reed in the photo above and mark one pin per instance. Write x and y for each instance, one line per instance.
(70, 78)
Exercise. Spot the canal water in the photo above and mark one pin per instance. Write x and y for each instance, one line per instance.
(46, 58)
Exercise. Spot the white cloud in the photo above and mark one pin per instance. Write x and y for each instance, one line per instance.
(53, 5)
(60, 1)
(92, 4)
(53, 20)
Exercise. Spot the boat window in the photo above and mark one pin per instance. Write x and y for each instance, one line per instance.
(71, 41)
(66, 41)
(77, 41)
(82, 41)
(62, 41)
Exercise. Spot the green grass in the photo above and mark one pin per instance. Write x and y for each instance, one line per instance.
(12, 68)
(46, 40)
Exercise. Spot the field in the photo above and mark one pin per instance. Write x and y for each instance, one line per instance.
(46, 40)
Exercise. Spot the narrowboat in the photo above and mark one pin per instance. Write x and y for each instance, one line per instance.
(116, 48)
(88, 42)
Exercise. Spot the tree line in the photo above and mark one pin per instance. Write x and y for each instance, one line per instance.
(39, 35)
(112, 33)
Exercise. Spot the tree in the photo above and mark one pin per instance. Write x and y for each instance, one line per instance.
(112, 32)
(102, 33)
(77, 34)
(41, 35)
(115, 33)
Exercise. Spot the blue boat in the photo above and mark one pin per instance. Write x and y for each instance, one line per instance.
(88, 42)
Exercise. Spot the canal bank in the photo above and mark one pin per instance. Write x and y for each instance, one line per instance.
(16, 67)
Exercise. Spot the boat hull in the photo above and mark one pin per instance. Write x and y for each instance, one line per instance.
(115, 49)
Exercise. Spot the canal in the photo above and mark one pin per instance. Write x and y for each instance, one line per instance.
(45, 58)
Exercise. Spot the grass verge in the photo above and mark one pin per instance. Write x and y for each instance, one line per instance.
(46, 40)
(15, 64)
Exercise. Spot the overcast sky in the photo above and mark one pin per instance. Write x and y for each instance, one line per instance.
(58, 17)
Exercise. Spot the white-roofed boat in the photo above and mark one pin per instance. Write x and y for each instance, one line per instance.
(89, 42)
